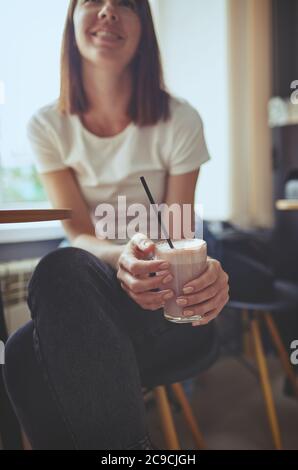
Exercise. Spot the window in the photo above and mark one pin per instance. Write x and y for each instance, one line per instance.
(30, 42)
(193, 39)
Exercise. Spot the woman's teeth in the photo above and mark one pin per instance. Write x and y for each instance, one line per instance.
(106, 34)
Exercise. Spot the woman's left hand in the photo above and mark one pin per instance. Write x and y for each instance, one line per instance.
(207, 295)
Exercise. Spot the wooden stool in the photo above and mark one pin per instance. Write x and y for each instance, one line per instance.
(167, 420)
(171, 377)
(285, 296)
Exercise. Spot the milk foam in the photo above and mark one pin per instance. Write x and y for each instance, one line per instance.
(191, 244)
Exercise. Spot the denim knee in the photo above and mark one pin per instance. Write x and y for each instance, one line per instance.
(61, 271)
(63, 261)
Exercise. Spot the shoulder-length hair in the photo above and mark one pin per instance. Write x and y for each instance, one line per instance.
(150, 100)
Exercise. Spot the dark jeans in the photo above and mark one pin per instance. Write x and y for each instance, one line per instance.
(97, 348)
(9, 428)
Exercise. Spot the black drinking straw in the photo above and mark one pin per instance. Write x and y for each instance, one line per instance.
(150, 197)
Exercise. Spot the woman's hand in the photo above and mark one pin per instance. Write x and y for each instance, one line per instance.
(134, 274)
(207, 295)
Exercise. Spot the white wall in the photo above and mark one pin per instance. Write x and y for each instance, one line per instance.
(193, 40)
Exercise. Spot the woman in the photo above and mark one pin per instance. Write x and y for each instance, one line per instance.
(100, 334)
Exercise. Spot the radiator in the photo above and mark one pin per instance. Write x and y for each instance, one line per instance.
(14, 279)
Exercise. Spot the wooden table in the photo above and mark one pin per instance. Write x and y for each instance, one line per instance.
(287, 205)
(33, 215)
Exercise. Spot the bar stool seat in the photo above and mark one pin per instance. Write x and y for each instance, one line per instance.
(284, 296)
(167, 378)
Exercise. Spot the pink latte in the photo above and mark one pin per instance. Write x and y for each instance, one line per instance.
(187, 262)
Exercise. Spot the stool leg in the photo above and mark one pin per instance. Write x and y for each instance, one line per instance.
(284, 357)
(25, 440)
(247, 343)
(167, 421)
(189, 416)
(267, 391)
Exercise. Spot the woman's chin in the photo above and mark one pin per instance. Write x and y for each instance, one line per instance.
(103, 57)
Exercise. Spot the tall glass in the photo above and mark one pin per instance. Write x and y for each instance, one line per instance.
(187, 261)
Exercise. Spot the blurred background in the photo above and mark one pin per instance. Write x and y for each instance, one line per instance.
(236, 61)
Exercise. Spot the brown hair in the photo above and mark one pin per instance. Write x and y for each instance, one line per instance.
(150, 100)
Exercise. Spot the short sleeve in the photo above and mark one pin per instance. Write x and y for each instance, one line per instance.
(44, 146)
(188, 150)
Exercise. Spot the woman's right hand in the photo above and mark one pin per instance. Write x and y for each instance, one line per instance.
(134, 269)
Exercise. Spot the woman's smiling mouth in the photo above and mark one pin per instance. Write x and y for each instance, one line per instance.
(107, 35)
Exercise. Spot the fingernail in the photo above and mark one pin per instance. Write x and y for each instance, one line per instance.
(164, 266)
(146, 244)
(168, 296)
(188, 313)
(161, 273)
(188, 290)
(181, 301)
(168, 279)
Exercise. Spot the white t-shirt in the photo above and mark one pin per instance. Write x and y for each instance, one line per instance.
(107, 167)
